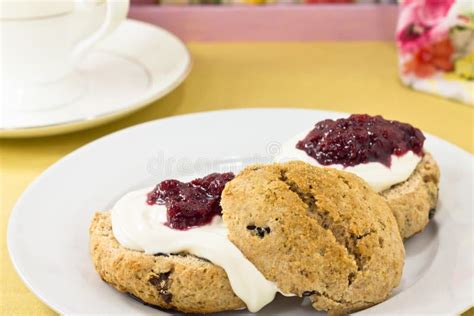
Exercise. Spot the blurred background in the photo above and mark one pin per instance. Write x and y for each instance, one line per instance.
(261, 2)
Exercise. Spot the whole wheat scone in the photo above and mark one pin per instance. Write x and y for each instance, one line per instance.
(180, 282)
(414, 200)
(315, 232)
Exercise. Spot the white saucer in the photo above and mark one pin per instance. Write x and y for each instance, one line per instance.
(136, 65)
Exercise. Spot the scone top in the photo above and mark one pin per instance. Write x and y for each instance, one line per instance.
(324, 233)
(359, 139)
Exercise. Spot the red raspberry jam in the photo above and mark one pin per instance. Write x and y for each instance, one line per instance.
(190, 204)
(361, 139)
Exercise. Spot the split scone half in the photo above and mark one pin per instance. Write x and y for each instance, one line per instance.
(180, 282)
(387, 154)
(413, 202)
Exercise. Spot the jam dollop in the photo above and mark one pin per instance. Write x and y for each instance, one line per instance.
(190, 204)
(361, 138)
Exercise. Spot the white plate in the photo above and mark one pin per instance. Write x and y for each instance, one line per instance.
(48, 229)
(137, 64)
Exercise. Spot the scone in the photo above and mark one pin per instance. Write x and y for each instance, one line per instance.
(315, 232)
(388, 155)
(413, 202)
(167, 245)
(181, 281)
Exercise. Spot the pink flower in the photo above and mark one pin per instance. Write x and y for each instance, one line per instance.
(433, 11)
(419, 23)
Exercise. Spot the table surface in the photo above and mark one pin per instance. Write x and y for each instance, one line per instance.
(351, 77)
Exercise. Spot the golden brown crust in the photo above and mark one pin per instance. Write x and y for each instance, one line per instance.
(413, 200)
(315, 232)
(179, 282)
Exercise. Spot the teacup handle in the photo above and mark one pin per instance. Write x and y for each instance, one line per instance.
(116, 12)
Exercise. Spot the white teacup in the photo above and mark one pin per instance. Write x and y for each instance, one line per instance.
(41, 43)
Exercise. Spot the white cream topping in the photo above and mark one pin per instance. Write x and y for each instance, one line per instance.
(376, 174)
(139, 226)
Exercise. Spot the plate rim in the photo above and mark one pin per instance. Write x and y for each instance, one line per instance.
(97, 141)
(94, 120)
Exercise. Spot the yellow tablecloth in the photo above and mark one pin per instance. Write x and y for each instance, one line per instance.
(350, 77)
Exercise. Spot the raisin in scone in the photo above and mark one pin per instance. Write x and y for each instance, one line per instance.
(413, 202)
(181, 282)
(315, 232)
(389, 155)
